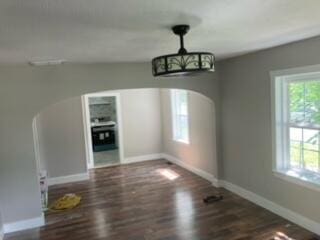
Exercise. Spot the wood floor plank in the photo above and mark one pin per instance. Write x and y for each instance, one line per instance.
(140, 202)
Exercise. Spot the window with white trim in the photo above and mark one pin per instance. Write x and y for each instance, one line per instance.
(180, 118)
(297, 126)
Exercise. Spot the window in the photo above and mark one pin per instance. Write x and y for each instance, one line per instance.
(297, 126)
(179, 104)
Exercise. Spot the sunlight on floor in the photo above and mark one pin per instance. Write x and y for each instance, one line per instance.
(103, 229)
(185, 211)
(282, 236)
(171, 175)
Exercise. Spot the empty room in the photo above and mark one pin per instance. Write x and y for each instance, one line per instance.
(160, 120)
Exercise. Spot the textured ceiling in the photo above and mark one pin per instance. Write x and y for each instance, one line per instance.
(138, 30)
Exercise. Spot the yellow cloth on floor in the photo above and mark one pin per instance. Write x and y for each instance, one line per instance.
(68, 201)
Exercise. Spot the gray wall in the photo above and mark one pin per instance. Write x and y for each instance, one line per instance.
(141, 119)
(27, 90)
(246, 124)
(201, 151)
(61, 138)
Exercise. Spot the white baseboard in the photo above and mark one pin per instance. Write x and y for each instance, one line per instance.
(68, 179)
(192, 169)
(142, 158)
(252, 197)
(24, 224)
(273, 207)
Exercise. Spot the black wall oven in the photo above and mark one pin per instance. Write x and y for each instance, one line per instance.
(103, 138)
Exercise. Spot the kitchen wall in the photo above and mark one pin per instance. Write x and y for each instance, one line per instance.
(201, 152)
(103, 110)
(246, 124)
(61, 139)
(27, 90)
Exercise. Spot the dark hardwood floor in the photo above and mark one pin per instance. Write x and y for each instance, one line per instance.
(145, 201)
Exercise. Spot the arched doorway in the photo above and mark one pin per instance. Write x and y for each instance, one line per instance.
(148, 120)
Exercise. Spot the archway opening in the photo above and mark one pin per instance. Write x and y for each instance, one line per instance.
(152, 127)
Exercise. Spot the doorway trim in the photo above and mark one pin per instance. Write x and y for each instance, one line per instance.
(87, 126)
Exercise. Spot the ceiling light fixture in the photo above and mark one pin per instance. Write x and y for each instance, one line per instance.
(184, 62)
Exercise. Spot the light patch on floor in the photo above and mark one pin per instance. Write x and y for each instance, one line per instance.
(282, 236)
(169, 174)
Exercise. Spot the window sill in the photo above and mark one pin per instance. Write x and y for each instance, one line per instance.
(302, 178)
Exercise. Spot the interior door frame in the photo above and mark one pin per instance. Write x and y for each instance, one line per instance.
(87, 126)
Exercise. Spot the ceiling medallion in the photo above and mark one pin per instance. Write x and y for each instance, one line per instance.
(182, 63)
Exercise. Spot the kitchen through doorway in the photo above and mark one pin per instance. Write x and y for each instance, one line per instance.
(102, 122)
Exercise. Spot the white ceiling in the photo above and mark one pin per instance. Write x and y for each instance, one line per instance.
(138, 30)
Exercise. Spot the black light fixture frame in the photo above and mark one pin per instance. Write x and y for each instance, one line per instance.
(183, 62)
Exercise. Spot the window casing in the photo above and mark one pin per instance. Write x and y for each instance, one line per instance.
(180, 117)
(296, 126)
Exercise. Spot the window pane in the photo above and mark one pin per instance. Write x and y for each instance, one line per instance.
(296, 92)
(182, 103)
(180, 115)
(184, 127)
(295, 147)
(311, 149)
(312, 102)
(183, 109)
(311, 160)
(305, 102)
(295, 134)
(305, 149)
